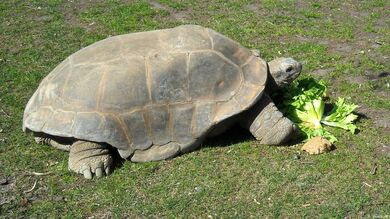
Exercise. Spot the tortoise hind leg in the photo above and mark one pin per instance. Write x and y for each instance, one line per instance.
(90, 158)
(54, 142)
(268, 125)
(156, 153)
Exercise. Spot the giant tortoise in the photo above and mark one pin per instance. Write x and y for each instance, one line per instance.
(154, 95)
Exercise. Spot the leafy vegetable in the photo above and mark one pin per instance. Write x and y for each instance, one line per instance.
(341, 116)
(312, 113)
(304, 104)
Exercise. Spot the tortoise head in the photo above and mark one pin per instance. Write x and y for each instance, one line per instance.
(284, 71)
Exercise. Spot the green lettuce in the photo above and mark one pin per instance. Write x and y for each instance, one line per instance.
(304, 103)
(311, 114)
(341, 116)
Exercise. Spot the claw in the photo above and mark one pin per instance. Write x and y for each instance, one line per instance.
(108, 171)
(87, 173)
(90, 159)
(99, 172)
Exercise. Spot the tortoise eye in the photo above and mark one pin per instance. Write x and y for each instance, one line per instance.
(289, 69)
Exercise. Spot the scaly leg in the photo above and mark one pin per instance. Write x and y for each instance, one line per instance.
(45, 140)
(267, 124)
(90, 158)
(156, 153)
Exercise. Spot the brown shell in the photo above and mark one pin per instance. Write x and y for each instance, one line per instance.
(137, 90)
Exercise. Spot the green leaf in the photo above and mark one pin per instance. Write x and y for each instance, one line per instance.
(312, 113)
(310, 133)
(350, 127)
(341, 116)
(304, 104)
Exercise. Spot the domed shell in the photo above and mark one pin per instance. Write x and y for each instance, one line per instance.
(137, 90)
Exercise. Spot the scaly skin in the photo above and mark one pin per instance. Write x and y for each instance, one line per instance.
(53, 143)
(268, 125)
(89, 158)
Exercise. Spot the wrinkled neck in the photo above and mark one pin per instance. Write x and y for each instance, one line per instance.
(271, 85)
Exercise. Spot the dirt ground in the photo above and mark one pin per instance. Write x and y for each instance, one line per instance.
(346, 43)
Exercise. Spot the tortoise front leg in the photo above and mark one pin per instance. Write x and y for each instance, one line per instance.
(90, 158)
(267, 124)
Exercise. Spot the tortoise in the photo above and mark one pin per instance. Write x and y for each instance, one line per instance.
(154, 95)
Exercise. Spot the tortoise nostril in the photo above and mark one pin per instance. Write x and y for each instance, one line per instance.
(289, 69)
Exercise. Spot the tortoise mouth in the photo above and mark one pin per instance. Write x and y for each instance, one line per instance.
(292, 77)
(293, 72)
(288, 80)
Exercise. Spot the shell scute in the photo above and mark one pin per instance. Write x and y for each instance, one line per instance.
(168, 72)
(229, 48)
(212, 77)
(37, 119)
(108, 127)
(124, 85)
(255, 65)
(203, 118)
(136, 126)
(81, 87)
(181, 116)
(100, 51)
(159, 124)
(186, 38)
(61, 123)
(247, 94)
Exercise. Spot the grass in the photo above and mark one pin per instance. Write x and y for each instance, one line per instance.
(230, 176)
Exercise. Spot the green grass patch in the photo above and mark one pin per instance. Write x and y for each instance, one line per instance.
(231, 176)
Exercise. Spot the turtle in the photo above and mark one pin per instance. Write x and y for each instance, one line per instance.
(153, 95)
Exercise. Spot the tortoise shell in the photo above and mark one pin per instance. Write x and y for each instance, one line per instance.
(137, 90)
